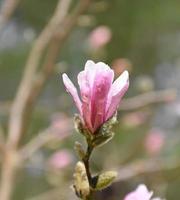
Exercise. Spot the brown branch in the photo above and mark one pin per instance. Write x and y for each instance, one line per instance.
(10, 162)
(7, 10)
(62, 192)
(145, 99)
(23, 96)
(53, 194)
(151, 167)
(43, 138)
(2, 141)
(50, 39)
(132, 103)
(54, 47)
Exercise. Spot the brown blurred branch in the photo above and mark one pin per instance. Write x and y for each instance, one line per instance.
(34, 78)
(25, 91)
(151, 167)
(6, 11)
(62, 192)
(53, 194)
(2, 141)
(132, 103)
(145, 99)
(43, 138)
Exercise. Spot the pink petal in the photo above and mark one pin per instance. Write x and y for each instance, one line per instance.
(73, 91)
(117, 91)
(90, 69)
(141, 193)
(102, 83)
(85, 91)
(99, 37)
(92, 80)
(60, 159)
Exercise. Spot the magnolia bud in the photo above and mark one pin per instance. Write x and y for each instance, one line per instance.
(107, 126)
(102, 139)
(81, 183)
(79, 149)
(104, 180)
(80, 127)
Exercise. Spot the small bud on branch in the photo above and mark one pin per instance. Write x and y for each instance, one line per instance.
(100, 98)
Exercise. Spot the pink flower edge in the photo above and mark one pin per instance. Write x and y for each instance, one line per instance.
(100, 96)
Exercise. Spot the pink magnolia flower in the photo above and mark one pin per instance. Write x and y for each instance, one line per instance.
(99, 37)
(154, 141)
(134, 119)
(100, 97)
(121, 64)
(141, 193)
(60, 125)
(60, 159)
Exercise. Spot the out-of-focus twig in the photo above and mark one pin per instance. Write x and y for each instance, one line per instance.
(25, 97)
(6, 11)
(132, 103)
(150, 167)
(24, 94)
(54, 47)
(43, 138)
(62, 192)
(2, 141)
(148, 98)
(5, 107)
(53, 194)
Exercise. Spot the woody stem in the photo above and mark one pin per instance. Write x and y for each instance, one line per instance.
(87, 167)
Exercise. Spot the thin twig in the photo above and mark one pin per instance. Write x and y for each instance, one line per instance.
(42, 139)
(145, 99)
(151, 167)
(20, 104)
(132, 103)
(53, 194)
(23, 97)
(86, 163)
(7, 9)
(53, 50)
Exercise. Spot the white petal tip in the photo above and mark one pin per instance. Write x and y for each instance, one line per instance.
(64, 75)
(126, 73)
(89, 62)
(65, 78)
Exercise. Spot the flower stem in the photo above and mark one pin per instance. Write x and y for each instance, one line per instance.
(87, 167)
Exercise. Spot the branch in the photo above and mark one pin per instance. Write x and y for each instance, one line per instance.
(43, 138)
(132, 103)
(148, 98)
(53, 194)
(151, 167)
(54, 47)
(7, 10)
(23, 96)
(2, 141)
(62, 192)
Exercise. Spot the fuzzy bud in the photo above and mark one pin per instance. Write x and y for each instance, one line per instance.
(104, 180)
(81, 184)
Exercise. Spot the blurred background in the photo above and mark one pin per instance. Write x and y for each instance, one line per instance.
(140, 36)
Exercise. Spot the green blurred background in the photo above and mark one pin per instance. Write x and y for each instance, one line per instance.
(145, 34)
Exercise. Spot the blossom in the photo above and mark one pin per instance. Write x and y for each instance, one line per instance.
(141, 193)
(60, 159)
(135, 118)
(121, 64)
(154, 141)
(99, 37)
(100, 96)
(60, 125)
